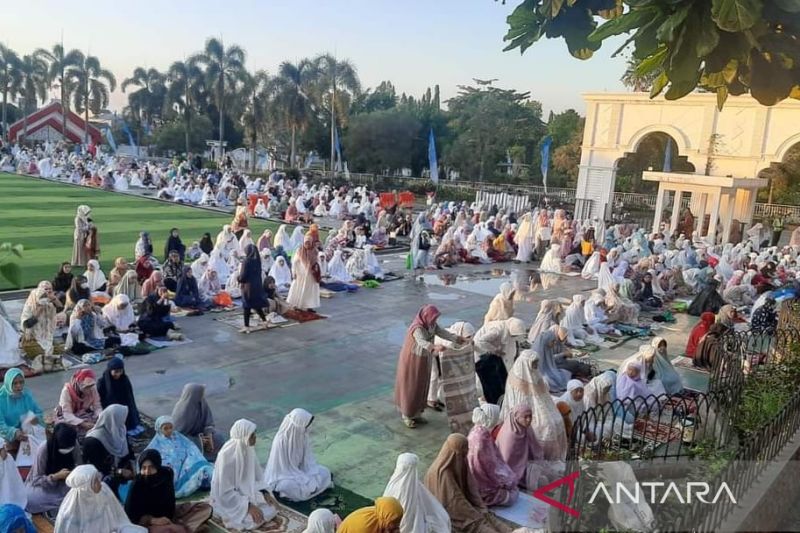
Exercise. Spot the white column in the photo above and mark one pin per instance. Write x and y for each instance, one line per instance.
(659, 207)
(676, 211)
(712, 221)
(726, 213)
(700, 215)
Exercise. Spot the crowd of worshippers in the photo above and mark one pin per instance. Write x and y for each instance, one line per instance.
(99, 314)
(85, 476)
(185, 181)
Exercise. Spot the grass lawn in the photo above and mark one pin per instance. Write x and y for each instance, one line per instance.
(40, 215)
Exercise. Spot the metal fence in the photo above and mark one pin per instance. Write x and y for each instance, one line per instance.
(628, 200)
(668, 431)
(649, 428)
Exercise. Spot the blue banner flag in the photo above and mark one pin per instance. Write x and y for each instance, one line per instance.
(546, 142)
(433, 162)
(110, 139)
(127, 132)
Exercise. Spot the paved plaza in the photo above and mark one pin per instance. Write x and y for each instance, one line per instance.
(341, 369)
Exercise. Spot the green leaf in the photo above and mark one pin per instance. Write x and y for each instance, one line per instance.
(707, 34)
(647, 65)
(679, 89)
(769, 81)
(683, 64)
(736, 15)
(658, 84)
(722, 95)
(667, 31)
(13, 273)
(627, 22)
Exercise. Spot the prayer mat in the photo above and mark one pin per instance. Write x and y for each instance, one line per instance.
(302, 316)
(390, 276)
(236, 320)
(458, 385)
(654, 431)
(337, 499)
(163, 342)
(287, 521)
(26, 371)
(527, 512)
(42, 524)
(688, 363)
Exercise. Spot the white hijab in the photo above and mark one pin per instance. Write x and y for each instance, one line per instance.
(83, 509)
(95, 278)
(292, 470)
(337, 270)
(119, 318)
(281, 238)
(110, 429)
(296, 240)
(576, 407)
(12, 488)
(244, 241)
(280, 272)
(200, 265)
(422, 512)
(237, 479)
(574, 315)
(321, 521)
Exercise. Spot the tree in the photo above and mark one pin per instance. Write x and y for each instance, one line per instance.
(59, 62)
(184, 92)
(381, 140)
(291, 98)
(784, 179)
(649, 154)
(340, 77)
(486, 122)
(562, 126)
(8, 80)
(567, 158)
(92, 86)
(380, 98)
(256, 89)
(637, 81)
(224, 68)
(148, 101)
(724, 46)
(32, 72)
(172, 136)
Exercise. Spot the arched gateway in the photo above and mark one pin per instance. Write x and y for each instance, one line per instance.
(727, 148)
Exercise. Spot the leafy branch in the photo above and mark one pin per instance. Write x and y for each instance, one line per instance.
(722, 46)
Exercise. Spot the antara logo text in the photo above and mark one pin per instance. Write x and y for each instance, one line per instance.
(653, 492)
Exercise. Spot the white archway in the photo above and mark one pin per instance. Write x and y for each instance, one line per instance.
(747, 136)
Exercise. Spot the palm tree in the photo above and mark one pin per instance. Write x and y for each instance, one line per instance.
(60, 60)
(8, 80)
(92, 86)
(148, 101)
(185, 84)
(33, 85)
(333, 74)
(256, 89)
(292, 87)
(224, 68)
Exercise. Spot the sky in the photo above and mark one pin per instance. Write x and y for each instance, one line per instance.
(413, 43)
